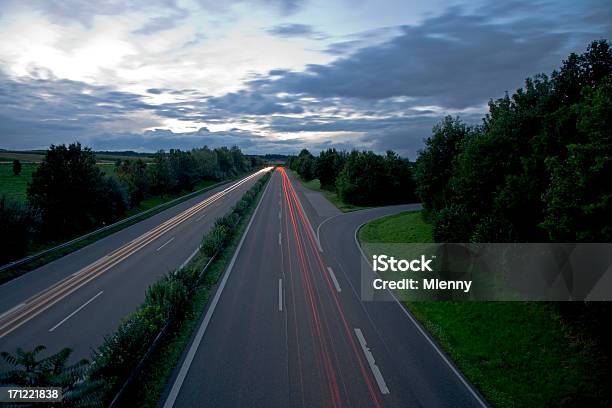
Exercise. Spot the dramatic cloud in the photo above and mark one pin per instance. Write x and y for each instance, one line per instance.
(295, 30)
(454, 60)
(146, 75)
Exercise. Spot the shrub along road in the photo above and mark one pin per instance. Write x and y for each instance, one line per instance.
(287, 326)
(78, 299)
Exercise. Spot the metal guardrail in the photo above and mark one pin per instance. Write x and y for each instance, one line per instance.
(33, 257)
(116, 402)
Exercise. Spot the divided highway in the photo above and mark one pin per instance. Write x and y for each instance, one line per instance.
(287, 327)
(76, 300)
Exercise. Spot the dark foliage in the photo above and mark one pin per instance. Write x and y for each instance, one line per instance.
(538, 168)
(71, 193)
(18, 224)
(16, 167)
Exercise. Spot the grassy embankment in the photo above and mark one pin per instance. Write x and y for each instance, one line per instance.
(518, 354)
(330, 195)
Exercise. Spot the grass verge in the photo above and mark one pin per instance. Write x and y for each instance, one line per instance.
(518, 354)
(330, 195)
(151, 382)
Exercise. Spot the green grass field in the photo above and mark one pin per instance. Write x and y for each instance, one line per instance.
(15, 186)
(330, 195)
(37, 156)
(518, 354)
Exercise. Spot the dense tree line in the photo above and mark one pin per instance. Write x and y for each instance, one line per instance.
(537, 169)
(360, 178)
(69, 194)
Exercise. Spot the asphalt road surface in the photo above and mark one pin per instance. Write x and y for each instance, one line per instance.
(78, 299)
(287, 328)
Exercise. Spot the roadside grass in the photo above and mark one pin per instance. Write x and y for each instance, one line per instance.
(402, 227)
(151, 382)
(330, 195)
(518, 354)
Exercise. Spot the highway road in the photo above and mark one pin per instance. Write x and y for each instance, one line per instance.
(78, 299)
(286, 326)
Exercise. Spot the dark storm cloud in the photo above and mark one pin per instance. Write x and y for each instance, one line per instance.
(244, 102)
(165, 139)
(295, 30)
(283, 7)
(454, 60)
(35, 113)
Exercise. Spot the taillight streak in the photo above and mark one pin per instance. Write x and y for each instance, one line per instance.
(334, 294)
(329, 370)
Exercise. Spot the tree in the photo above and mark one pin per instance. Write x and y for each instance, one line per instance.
(134, 177)
(65, 191)
(578, 198)
(328, 165)
(398, 185)
(16, 167)
(539, 166)
(305, 165)
(359, 181)
(17, 227)
(435, 164)
(161, 174)
(371, 179)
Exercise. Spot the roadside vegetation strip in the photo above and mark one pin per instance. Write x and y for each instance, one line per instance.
(30, 262)
(516, 353)
(140, 356)
(185, 293)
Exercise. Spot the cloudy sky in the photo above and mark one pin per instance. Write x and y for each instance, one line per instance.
(270, 75)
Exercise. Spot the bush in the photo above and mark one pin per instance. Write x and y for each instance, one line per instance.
(215, 240)
(229, 221)
(18, 224)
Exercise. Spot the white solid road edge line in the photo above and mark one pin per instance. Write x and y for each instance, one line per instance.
(76, 311)
(370, 357)
(280, 295)
(422, 331)
(333, 276)
(180, 378)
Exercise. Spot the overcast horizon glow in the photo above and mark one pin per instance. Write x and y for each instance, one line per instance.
(271, 76)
